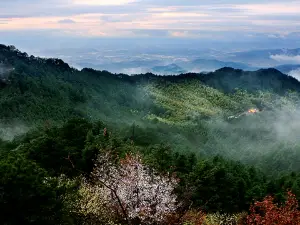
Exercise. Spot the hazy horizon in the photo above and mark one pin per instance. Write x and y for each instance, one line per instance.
(133, 36)
(232, 25)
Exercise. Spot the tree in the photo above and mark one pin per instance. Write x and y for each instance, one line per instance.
(27, 194)
(134, 191)
(268, 213)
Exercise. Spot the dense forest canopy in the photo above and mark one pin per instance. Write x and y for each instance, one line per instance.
(230, 137)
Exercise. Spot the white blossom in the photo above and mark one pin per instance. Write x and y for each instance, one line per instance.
(133, 190)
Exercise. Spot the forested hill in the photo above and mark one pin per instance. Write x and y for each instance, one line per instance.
(37, 89)
(189, 111)
(226, 138)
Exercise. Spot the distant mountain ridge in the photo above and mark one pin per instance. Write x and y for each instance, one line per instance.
(225, 76)
(171, 69)
(288, 68)
(265, 58)
(213, 64)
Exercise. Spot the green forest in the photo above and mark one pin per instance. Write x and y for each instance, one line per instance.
(92, 147)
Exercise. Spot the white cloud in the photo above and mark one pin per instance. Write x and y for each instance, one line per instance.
(102, 2)
(112, 17)
(295, 74)
(283, 8)
(66, 21)
(286, 59)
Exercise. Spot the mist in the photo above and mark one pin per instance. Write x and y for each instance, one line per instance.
(9, 131)
(133, 71)
(251, 139)
(4, 72)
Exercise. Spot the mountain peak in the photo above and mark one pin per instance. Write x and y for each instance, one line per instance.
(228, 70)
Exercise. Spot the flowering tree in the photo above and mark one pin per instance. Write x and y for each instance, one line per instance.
(268, 213)
(134, 191)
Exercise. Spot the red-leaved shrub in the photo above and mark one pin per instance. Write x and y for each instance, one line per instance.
(194, 217)
(269, 213)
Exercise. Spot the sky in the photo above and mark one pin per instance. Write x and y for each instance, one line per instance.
(219, 20)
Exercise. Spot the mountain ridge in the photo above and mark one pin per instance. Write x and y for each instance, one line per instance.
(37, 79)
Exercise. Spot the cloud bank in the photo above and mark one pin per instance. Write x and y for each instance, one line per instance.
(127, 18)
(286, 59)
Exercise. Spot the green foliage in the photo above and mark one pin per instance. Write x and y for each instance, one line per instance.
(230, 219)
(28, 195)
(220, 185)
(211, 184)
(65, 150)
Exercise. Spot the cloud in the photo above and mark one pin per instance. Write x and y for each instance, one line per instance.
(4, 21)
(286, 59)
(179, 33)
(175, 18)
(291, 8)
(66, 21)
(150, 32)
(102, 2)
(276, 36)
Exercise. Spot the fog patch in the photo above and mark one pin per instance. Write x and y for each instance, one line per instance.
(4, 72)
(134, 71)
(250, 137)
(9, 132)
(287, 125)
(202, 70)
(3, 69)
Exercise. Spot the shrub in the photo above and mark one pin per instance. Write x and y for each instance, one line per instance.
(193, 217)
(269, 213)
(223, 219)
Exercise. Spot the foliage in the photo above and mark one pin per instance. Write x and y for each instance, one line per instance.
(220, 185)
(62, 150)
(267, 212)
(91, 206)
(28, 195)
(219, 219)
(193, 217)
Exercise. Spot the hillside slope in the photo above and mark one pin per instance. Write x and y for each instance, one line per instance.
(189, 111)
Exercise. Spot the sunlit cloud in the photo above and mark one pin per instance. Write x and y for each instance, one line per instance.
(284, 8)
(126, 17)
(160, 9)
(102, 2)
(179, 33)
(66, 21)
